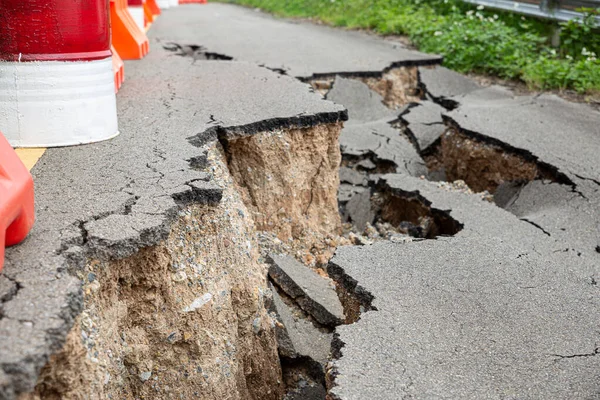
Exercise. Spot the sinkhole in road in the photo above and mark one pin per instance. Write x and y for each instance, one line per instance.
(289, 181)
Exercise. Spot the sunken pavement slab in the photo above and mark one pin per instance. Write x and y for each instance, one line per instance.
(496, 311)
(527, 122)
(110, 199)
(424, 124)
(368, 132)
(315, 294)
(442, 84)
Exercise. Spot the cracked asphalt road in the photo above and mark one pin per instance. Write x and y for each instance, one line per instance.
(503, 309)
(109, 199)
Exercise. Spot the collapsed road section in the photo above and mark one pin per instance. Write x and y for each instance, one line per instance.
(506, 299)
(193, 256)
(153, 225)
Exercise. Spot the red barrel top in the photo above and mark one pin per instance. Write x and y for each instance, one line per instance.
(43, 30)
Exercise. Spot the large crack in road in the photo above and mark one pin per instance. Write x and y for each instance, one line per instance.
(443, 248)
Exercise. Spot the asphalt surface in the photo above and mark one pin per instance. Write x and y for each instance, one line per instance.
(506, 308)
(299, 49)
(111, 198)
(497, 311)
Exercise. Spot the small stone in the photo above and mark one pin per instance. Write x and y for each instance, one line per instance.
(199, 302)
(172, 337)
(366, 164)
(322, 259)
(397, 238)
(256, 327)
(179, 276)
(144, 376)
(370, 231)
(359, 240)
(94, 286)
(91, 277)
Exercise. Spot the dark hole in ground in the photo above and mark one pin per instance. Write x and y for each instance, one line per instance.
(195, 51)
(304, 378)
(486, 165)
(412, 214)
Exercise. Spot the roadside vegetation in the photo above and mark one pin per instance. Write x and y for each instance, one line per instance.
(471, 38)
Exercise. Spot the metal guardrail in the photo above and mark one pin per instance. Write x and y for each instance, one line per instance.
(558, 10)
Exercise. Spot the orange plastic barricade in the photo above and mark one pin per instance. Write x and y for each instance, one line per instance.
(16, 199)
(148, 17)
(128, 39)
(119, 69)
(192, 1)
(154, 8)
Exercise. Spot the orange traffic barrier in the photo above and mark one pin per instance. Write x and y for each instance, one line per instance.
(192, 1)
(148, 16)
(16, 199)
(154, 8)
(118, 68)
(128, 39)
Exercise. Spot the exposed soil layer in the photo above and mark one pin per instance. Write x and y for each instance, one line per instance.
(184, 319)
(69, 373)
(289, 180)
(483, 165)
(398, 86)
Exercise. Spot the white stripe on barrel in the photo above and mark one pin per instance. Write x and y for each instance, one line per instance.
(56, 73)
(57, 103)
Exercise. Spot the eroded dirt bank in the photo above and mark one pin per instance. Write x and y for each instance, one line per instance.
(289, 180)
(189, 318)
(184, 319)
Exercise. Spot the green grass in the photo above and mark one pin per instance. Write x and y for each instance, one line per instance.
(470, 39)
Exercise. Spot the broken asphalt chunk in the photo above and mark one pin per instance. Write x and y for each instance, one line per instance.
(425, 123)
(296, 336)
(363, 104)
(315, 295)
(442, 83)
(352, 177)
(359, 210)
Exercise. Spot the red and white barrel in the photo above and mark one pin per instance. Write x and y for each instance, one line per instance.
(56, 74)
(136, 9)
